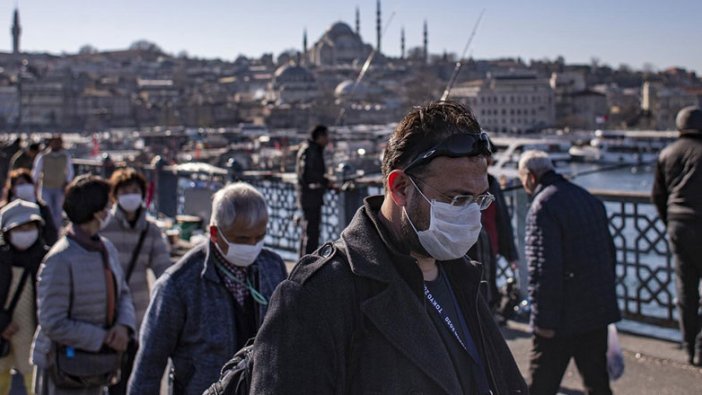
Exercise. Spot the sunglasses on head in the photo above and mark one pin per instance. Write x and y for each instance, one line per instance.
(456, 146)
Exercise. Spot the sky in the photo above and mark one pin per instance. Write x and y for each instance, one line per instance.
(661, 33)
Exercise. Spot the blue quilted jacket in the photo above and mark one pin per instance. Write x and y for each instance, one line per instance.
(571, 259)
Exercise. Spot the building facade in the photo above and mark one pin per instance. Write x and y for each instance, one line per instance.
(514, 102)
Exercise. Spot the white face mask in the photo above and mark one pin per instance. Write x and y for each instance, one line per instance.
(26, 192)
(452, 230)
(105, 221)
(130, 202)
(22, 240)
(241, 255)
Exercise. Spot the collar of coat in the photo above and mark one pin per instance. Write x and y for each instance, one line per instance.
(399, 310)
(374, 252)
(120, 216)
(548, 179)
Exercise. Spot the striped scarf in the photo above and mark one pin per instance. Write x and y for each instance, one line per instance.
(228, 270)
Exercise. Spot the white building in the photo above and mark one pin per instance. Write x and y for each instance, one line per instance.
(662, 104)
(514, 102)
(339, 45)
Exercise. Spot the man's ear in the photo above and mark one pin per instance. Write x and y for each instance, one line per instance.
(397, 185)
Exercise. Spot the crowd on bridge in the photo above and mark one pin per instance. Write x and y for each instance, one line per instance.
(405, 301)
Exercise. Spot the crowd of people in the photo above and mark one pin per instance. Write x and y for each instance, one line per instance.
(395, 305)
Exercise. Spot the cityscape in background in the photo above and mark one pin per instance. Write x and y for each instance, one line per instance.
(142, 87)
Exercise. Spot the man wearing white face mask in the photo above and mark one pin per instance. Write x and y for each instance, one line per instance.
(142, 247)
(394, 306)
(209, 304)
(20, 258)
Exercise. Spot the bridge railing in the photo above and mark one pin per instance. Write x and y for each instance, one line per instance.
(645, 276)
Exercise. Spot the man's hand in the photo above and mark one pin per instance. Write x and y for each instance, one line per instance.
(117, 338)
(9, 331)
(545, 333)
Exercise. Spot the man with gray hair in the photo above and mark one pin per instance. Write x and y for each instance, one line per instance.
(206, 306)
(571, 258)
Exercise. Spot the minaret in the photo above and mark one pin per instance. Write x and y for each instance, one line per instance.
(358, 21)
(426, 42)
(378, 26)
(304, 42)
(16, 30)
(402, 43)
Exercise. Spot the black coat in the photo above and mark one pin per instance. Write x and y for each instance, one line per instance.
(677, 188)
(571, 259)
(352, 319)
(311, 170)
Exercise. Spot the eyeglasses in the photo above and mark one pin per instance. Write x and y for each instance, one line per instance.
(455, 146)
(483, 201)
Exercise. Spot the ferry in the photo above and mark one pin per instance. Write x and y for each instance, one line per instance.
(626, 147)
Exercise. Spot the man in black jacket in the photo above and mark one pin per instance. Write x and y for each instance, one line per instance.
(311, 185)
(677, 194)
(394, 306)
(571, 259)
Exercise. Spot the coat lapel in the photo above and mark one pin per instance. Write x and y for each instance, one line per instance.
(397, 311)
(409, 329)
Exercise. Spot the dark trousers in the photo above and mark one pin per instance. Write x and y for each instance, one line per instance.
(312, 216)
(127, 365)
(550, 357)
(686, 243)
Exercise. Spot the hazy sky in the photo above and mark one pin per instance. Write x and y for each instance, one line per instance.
(664, 33)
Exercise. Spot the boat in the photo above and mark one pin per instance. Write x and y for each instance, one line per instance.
(626, 147)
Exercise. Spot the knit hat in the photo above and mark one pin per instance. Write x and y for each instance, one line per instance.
(689, 119)
(19, 212)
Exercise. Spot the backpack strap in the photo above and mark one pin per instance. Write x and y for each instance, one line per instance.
(135, 253)
(18, 292)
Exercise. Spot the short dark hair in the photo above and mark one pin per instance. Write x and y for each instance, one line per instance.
(127, 176)
(317, 131)
(423, 128)
(85, 196)
(34, 147)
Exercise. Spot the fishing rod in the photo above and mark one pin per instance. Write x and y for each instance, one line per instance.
(601, 170)
(459, 63)
(362, 73)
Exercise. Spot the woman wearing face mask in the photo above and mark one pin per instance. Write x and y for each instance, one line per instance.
(20, 258)
(20, 186)
(86, 315)
(141, 245)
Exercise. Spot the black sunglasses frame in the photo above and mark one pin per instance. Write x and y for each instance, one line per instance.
(455, 146)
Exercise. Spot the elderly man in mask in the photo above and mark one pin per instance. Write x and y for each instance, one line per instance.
(205, 307)
(394, 306)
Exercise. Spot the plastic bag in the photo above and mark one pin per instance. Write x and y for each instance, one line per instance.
(615, 357)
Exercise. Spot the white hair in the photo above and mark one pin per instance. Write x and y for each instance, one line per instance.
(535, 162)
(238, 199)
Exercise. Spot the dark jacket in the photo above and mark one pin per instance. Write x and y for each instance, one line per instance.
(48, 231)
(311, 170)
(191, 319)
(505, 233)
(352, 319)
(677, 188)
(571, 259)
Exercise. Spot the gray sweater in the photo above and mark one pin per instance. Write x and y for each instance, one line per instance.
(70, 272)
